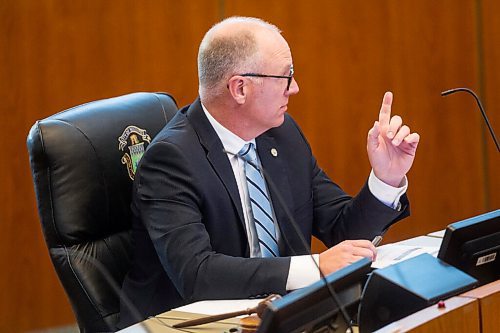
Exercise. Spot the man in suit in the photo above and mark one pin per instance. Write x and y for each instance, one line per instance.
(205, 229)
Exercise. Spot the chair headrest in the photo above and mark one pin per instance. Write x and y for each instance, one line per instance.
(83, 161)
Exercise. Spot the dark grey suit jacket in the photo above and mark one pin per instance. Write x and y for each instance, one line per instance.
(188, 227)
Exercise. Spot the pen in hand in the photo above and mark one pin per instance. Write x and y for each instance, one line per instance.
(376, 241)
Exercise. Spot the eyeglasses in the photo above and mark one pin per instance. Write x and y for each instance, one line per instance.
(288, 77)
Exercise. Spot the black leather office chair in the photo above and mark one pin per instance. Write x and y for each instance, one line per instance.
(83, 161)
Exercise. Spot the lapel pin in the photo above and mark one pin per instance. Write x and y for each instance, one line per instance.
(274, 152)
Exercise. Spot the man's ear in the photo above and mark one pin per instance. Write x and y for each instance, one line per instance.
(238, 89)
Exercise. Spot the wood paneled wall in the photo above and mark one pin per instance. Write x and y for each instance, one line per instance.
(56, 54)
(346, 54)
(489, 31)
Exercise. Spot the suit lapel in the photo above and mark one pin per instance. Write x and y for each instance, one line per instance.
(274, 165)
(276, 174)
(215, 154)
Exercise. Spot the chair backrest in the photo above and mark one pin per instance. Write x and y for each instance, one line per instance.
(83, 162)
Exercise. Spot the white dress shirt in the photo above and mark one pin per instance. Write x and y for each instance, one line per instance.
(302, 270)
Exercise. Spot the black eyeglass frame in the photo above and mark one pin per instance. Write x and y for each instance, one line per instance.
(288, 77)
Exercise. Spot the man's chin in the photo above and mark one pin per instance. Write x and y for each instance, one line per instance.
(280, 121)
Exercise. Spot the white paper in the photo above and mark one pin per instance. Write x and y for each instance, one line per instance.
(205, 308)
(422, 241)
(219, 306)
(391, 254)
(438, 234)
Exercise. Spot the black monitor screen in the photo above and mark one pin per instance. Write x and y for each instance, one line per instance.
(473, 246)
(312, 309)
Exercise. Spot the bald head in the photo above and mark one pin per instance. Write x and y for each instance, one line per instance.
(228, 48)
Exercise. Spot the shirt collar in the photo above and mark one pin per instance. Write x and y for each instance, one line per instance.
(231, 142)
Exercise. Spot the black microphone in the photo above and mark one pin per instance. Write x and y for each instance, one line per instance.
(452, 91)
(296, 228)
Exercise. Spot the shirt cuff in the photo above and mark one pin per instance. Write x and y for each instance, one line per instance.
(302, 272)
(385, 193)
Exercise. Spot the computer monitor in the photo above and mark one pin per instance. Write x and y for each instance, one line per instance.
(312, 309)
(473, 246)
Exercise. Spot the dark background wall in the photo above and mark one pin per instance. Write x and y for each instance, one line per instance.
(55, 54)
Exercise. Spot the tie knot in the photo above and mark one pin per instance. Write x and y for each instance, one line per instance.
(248, 153)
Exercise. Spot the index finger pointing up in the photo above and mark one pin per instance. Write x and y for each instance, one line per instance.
(385, 110)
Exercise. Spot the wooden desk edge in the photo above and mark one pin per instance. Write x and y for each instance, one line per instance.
(428, 314)
(483, 291)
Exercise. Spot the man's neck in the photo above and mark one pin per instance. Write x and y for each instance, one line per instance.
(231, 120)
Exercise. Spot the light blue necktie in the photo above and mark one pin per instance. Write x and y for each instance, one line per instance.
(259, 200)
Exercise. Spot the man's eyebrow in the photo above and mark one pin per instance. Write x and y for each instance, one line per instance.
(287, 69)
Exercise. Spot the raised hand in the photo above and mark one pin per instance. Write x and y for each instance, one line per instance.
(391, 146)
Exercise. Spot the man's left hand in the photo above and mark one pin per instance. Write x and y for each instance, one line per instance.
(391, 146)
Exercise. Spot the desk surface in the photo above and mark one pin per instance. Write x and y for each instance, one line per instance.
(464, 313)
(163, 324)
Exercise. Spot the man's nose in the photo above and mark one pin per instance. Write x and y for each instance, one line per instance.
(294, 87)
